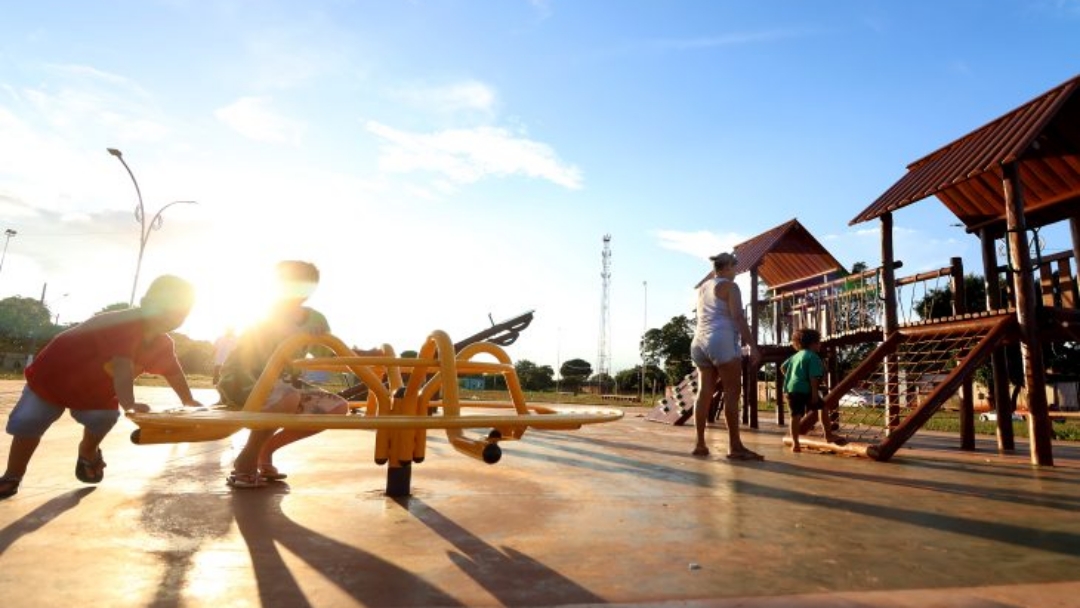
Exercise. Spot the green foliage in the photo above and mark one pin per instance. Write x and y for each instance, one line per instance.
(112, 307)
(629, 380)
(534, 377)
(574, 373)
(196, 356)
(670, 344)
(938, 303)
(25, 324)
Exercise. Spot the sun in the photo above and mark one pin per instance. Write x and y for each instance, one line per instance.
(226, 302)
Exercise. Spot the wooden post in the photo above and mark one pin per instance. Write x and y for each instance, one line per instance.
(752, 370)
(1030, 345)
(888, 290)
(967, 399)
(999, 386)
(778, 309)
(1074, 230)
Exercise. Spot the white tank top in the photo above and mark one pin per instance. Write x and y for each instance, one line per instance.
(713, 315)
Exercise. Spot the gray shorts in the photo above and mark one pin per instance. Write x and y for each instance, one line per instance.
(32, 416)
(715, 349)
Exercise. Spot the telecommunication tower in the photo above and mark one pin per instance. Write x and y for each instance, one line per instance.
(603, 356)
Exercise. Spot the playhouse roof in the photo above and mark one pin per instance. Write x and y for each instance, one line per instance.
(783, 256)
(1043, 135)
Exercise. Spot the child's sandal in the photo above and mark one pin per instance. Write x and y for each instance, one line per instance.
(245, 481)
(270, 473)
(10, 486)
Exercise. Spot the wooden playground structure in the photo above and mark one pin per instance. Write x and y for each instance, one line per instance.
(1003, 182)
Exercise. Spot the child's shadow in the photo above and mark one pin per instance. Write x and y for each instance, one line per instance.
(369, 579)
(34, 520)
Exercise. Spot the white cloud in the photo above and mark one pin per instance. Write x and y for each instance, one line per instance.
(84, 98)
(91, 74)
(253, 118)
(701, 243)
(468, 155)
(468, 95)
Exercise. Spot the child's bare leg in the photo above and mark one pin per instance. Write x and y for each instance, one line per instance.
(280, 440)
(287, 436)
(22, 448)
(826, 425)
(88, 447)
(794, 427)
(247, 461)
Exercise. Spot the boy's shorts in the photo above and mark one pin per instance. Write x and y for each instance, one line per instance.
(800, 403)
(312, 400)
(32, 416)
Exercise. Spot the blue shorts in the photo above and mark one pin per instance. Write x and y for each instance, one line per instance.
(32, 416)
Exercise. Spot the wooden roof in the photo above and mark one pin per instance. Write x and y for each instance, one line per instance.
(1042, 136)
(784, 256)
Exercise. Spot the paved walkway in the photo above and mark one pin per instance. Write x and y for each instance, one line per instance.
(610, 514)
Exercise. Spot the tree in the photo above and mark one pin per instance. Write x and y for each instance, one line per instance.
(534, 377)
(938, 303)
(603, 380)
(670, 344)
(196, 356)
(574, 373)
(112, 307)
(629, 380)
(25, 324)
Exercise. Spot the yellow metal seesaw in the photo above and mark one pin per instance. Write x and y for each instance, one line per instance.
(400, 418)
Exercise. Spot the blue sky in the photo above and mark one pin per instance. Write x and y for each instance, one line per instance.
(443, 161)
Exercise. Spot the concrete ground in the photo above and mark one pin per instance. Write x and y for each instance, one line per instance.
(616, 513)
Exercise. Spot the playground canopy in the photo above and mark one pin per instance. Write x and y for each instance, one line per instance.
(1041, 136)
(786, 256)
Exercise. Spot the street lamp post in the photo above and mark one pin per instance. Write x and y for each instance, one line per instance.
(644, 329)
(7, 238)
(140, 216)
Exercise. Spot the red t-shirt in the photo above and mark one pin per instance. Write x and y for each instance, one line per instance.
(75, 368)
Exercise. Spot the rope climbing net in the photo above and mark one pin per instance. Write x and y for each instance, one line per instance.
(903, 380)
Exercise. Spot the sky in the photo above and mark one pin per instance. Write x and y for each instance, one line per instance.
(449, 163)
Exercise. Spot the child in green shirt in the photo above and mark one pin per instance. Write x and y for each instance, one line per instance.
(803, 372)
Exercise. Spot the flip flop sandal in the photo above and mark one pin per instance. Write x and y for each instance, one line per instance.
(90, 471)
(745, 455)
(13, 490)
(245, 481)
(270, 473)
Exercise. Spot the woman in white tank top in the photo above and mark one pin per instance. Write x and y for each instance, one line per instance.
(717, 355)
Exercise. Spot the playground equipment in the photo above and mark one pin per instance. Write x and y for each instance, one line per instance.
(399, 412)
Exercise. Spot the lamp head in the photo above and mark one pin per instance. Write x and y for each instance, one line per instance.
(114, 152)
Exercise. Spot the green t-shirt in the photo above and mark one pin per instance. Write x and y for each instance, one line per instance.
(799, 369)
(245, 363)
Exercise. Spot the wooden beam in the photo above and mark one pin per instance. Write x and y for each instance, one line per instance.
(1030, 346)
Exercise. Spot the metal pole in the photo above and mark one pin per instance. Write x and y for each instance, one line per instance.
(7, 234)
(644, 329)
(140, 216)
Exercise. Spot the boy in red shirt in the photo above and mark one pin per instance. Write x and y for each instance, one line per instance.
(90, 369)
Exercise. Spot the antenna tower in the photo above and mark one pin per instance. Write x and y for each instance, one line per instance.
(603, 356)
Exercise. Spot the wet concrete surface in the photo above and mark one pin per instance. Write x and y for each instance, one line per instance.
(616, 513)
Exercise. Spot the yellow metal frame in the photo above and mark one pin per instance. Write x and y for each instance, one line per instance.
(400, 418)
